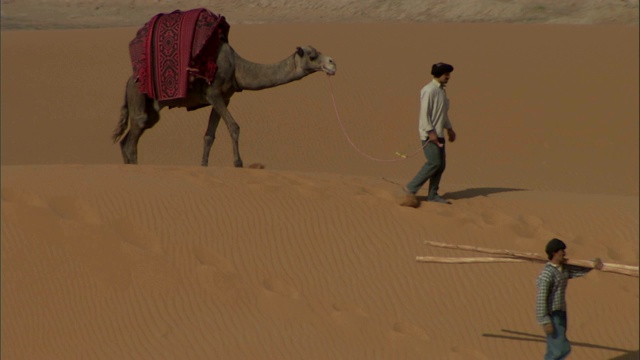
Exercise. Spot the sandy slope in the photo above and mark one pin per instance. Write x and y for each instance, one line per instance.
(174, 262)
(312, 258)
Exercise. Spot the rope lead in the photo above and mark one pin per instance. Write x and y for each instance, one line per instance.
(402, 156)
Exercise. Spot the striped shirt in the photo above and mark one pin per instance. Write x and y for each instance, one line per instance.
(434, 110)
(552, 284)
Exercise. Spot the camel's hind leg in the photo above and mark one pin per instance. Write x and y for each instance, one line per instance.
(143, 115)
(139, 123)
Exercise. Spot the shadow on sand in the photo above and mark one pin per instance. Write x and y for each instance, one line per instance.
(522, 336)
(634, 355)
(475, 192)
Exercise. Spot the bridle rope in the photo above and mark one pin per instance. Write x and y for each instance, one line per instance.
(344, 131)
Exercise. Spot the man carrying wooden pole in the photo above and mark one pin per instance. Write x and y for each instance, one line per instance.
(551, 308)
(511, 256)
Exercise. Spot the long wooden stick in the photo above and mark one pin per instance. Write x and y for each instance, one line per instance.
(526, 255)
(466, 260)
(613, 268)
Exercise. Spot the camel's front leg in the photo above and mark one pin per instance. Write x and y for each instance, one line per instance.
(210, 135)
(220, 106)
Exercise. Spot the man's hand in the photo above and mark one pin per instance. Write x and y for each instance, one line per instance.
(597, 264)
(452, 135)
(548, 328)
(433, 138)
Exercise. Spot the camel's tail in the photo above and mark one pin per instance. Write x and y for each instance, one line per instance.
(123, 124)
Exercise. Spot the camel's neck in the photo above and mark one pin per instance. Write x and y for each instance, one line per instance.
(254, 76)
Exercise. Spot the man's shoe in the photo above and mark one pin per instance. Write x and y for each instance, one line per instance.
(438, 199)
(410, 201)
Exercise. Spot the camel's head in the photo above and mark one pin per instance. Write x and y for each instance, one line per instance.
(311, 60)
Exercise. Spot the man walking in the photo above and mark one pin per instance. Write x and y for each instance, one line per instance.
(433, 120)
(551, 309)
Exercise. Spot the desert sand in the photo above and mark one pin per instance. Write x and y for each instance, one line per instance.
(312, 257)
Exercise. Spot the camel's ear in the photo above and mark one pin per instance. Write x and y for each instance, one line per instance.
(300, 51)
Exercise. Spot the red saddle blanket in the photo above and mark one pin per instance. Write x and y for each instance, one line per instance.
(171, 47)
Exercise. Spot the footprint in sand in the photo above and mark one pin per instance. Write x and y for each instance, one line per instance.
(78, 234)
(496, 218)
(263, 188)
(346, 308)
(133, 235)
(349, 315)
(16, 196)
(296, 180)
(613, 254)
(407, 328)
(527, 226)
(574, 239)
(75, 209)
(203, 178)
(281, 288)
(217, 276)
(208, 257)
(467, 353)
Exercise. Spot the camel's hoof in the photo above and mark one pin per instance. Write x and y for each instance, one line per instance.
(256, 166)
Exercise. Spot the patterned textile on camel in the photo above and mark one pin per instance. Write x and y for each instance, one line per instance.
(170, 48)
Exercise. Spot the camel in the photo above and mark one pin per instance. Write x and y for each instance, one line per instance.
(234, 74)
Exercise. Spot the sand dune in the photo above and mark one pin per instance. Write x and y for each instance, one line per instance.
(157, 261)
(312, 258)
(55, 14)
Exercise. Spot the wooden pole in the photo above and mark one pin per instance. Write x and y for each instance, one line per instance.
(487, 250)
(467, 260)
(614, 268)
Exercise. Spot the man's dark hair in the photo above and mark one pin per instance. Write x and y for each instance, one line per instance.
(553, 246)
(440, 69)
